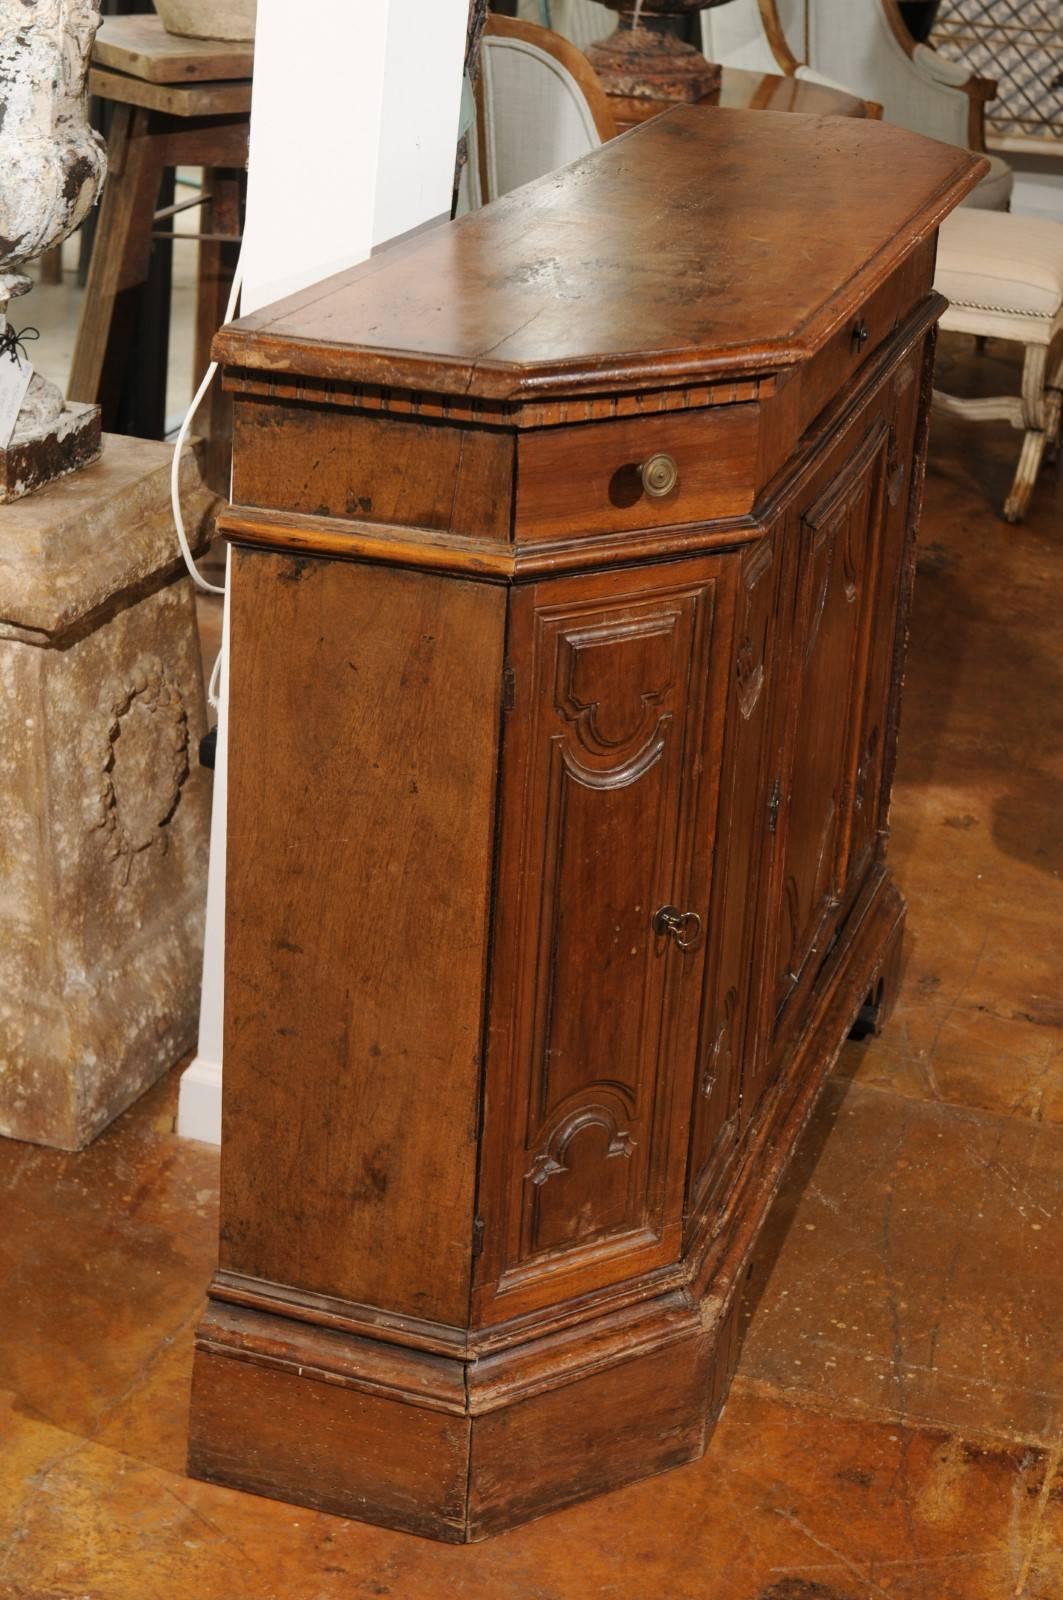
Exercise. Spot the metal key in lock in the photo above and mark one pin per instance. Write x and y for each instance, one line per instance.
(682, 927)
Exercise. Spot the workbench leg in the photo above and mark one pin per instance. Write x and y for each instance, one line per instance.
(120, 257)
(217, 267)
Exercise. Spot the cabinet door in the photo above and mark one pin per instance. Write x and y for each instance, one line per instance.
(610, 769)
(741, 861)
(839, 536)
(877, 746)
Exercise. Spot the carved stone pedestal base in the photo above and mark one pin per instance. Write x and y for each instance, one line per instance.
(34, 458)
(105, 808)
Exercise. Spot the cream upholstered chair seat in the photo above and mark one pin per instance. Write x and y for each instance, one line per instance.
(1009, 267)
(1003, 278)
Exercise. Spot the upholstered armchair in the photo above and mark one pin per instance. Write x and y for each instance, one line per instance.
(866, 48)
(748, 35)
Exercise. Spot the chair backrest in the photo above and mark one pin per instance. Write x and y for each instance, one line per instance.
(739, 35)
(539, 106)
(866, 46)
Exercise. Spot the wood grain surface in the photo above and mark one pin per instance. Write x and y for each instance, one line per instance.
(141, 47)
(360, 829)
(586, 281)
(557, 810)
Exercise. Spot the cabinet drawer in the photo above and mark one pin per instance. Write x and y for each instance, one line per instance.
(590, 478)
(862, 333)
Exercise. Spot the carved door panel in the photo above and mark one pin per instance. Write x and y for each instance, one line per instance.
(741, 860)
(840, 542)
(610, 772)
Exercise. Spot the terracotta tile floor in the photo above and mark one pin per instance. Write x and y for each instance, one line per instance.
(896, 1427)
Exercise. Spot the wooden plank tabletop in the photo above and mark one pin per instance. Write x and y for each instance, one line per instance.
(177, 99)
(141, 47)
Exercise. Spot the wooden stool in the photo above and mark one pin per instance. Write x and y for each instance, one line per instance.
(1003, 277)
(178, 102)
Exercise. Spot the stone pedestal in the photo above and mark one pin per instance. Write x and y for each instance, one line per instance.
(38, 454)
(106, 811)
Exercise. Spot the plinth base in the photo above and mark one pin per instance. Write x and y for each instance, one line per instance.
(641, 64)
(36, 458)
(457, 1435)
(106, 811)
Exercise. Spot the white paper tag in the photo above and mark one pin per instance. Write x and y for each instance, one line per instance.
(15, 375)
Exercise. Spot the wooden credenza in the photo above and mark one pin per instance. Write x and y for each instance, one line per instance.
(572, 552)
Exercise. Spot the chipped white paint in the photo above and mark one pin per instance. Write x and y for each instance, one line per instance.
(52, 164)
(209, 19)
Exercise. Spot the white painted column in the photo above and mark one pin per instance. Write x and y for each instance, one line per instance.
(354, 125)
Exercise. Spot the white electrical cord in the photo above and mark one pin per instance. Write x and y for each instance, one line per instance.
(194, 573)
(175, 471)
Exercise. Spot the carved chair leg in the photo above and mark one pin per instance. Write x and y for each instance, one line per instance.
(1037, 415)
(1054, 407)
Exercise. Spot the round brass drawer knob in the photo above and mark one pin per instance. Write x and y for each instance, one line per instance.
(660, 475)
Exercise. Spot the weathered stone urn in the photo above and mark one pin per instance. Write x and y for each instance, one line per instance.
(645, 60)
(232, 20)
(52, 167)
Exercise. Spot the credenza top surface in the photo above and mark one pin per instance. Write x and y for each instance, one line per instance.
(705, 243)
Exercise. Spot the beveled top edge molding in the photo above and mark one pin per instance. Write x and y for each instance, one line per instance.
(424, 405)
(596, 279)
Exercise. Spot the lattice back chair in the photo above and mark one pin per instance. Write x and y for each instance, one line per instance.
(539, 105)
(1020, 44)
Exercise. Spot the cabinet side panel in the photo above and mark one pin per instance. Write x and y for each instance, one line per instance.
(364, 713)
